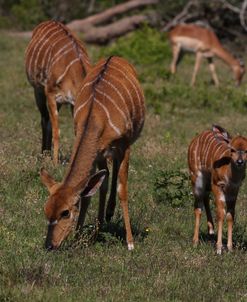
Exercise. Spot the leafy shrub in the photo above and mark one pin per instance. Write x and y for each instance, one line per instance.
(144, 46)
(27, 13)
(172, 188)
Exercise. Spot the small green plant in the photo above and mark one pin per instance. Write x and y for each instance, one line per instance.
(172, 188)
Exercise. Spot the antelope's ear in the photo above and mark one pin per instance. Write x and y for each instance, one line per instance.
(94, 183)
(221, 134)
(46, 179)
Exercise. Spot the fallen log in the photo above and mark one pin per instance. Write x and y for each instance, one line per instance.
(103, 34)
(107, 15)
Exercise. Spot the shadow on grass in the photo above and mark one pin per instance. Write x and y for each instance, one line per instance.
(238, 243)
(109, 234)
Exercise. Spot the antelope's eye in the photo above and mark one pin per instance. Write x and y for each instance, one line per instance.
(65, 214)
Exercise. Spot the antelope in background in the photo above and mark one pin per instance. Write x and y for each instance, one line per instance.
(56, 63)
(109, 115)
(217, 163)
(204, 43)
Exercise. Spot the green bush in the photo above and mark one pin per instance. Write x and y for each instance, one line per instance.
(172, 188)
(27, 13)
(143, 47)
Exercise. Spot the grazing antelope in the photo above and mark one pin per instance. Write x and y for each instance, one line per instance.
(204, 42)
(56, 63)
(109, 115)
(217, 163)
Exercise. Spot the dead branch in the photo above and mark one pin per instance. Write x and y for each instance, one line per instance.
(183, 16)
(82, 25)
(231, 7)
(242, 14)
(103, 34)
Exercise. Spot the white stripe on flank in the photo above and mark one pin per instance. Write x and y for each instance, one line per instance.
(55, 61)
(195, 154)
(66, 70)
(50, 48)
(121, 97)
(127, 78)
(36, 37)
(218, 147)
(118, 108)
(204, 148)
(208, 148)
(85, 85)
(40, 49)
(82, 106)
(60, 54)
(134, 79)
(37, 45)
(116, 129)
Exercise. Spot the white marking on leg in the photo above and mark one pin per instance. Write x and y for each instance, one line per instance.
(199, 183)
(130, 246)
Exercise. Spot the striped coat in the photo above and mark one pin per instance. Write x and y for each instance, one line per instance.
(216, 163)
(109, 116)
(56, 62)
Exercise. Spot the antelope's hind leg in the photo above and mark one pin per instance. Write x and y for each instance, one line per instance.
(198, 191)
(112, 198)
(176, 52)
(102, 164)
(123, 196)
(40, 98)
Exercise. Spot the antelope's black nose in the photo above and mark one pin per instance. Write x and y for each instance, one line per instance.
(49, 247)
(240, 162)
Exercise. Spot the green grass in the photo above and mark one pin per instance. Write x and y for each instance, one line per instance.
(164, 266)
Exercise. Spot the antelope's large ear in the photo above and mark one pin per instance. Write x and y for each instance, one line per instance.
(46, 179)
(94, 183)
(221, 134)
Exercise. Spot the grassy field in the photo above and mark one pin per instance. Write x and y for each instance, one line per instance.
(164, 266)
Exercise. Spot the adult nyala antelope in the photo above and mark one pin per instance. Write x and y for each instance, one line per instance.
(109, 115)
(204, 43)
(217, 163)
(56, 63)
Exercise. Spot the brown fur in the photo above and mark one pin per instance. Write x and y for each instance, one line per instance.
(52, 49)
(217, 163)
(204, 43)
(109, 116)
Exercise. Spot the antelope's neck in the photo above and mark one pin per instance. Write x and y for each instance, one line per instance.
(85, 151)
(226, 56)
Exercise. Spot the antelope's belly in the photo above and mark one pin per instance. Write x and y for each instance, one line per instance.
(189, 44)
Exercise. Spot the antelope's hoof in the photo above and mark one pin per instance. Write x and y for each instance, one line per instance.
(130, 246)
(195, 243)
(219, 251)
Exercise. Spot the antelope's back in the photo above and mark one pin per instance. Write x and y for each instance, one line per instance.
(51, 52)
(113, 91)
(204, 151)
(196, 32)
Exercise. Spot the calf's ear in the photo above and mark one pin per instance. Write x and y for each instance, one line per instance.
(46, 179)
(221, 134)
(94, 183)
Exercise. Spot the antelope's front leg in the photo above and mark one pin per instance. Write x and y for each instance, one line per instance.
(123, 196)
(53, 112)
(230, 220)
(220, 210)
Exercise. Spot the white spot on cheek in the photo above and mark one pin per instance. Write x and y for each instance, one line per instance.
(52, 223)
(56, 113)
